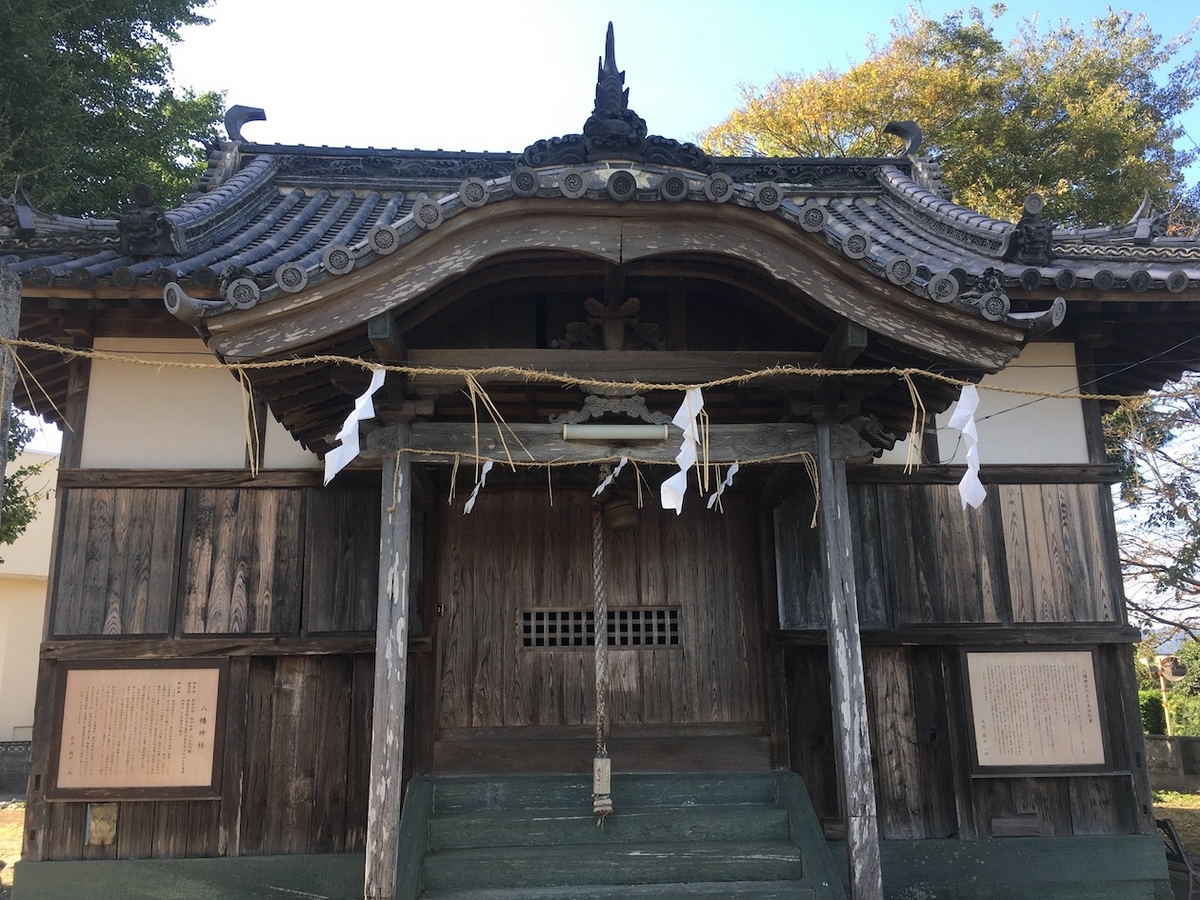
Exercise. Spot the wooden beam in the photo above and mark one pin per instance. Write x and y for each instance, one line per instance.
(844, 346)
(385, 338)
(974, 634)
(442, 442)
(208, 478)
(665, 367)
(10, 323)
(851, 728)
(391, 665)
(1019, 473)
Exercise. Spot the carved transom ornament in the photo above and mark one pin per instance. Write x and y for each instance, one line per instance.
(606, 328)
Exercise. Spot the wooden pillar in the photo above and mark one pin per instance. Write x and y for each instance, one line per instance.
(848, 682)
(391, 651)
(10, 323)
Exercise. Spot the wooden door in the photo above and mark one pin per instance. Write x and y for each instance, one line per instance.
(515, 660)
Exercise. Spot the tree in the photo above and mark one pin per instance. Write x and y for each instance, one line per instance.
(1155, 443)
(1086, 117)
(86, 105)
(20, 498)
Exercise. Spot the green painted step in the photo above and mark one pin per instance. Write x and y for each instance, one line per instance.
(659, 863)
(737, 890)
(644, 825)
(746, 836)
(628, 791)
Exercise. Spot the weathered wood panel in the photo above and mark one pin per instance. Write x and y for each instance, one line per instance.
(241, 570)
(341, 559)
(811, 727)
(488, 571)
(1032, 553)
(117, 561)
(1061, 562)
(799, 586)
(898, 786)
(294, 777)
(920, 733)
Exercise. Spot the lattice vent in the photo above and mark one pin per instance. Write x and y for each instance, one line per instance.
(642, 626)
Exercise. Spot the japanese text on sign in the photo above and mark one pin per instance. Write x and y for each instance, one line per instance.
(138, 728)
(1035, 709)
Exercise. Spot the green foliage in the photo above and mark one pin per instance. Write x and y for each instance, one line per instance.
(1185, 714)
(86, 107)
(19, 501)
(1087, 117)
(1154, 719)
(1189, 684)
(1145, 649)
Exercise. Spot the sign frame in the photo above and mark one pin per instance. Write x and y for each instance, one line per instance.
(972, 722)
(209, 790)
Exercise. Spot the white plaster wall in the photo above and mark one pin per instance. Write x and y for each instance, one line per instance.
(170, 418)
(282, 451)
(1019, 429)
(23, 577)
(22, 607)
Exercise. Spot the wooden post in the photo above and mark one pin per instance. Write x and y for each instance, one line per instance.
(848, 682)
(10, 323)
(391, 652)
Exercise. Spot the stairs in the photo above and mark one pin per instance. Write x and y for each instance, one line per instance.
(748, 836)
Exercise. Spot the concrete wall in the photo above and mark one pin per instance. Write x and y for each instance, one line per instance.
(141, 416)
(1015, 428)
(1174, 762)
(23, 604)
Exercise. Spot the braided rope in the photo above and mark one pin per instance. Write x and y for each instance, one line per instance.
(601, 800)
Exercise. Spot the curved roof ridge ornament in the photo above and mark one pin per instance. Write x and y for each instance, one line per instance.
(614, 131)
(237, 116)
(1147, 222)
(909, 132)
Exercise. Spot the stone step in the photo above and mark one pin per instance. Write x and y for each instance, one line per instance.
(645, 825)
(736, 890)
(628, 791)
(616, 864)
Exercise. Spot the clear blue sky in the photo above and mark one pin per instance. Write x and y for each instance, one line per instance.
(475, 75)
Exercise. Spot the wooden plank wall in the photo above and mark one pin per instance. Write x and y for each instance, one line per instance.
(288, 575)
(516, 552)
(296, 745)
(192, 561)
(1032, 553)
(920, 745)
(1033, 565)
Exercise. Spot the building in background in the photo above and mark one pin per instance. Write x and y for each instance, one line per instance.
(23, 576)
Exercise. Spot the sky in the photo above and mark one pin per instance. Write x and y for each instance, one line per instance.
(470, 75)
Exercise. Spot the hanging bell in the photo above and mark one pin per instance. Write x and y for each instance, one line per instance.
(620, 512)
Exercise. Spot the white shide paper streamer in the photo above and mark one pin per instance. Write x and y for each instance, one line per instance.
(483, 474)
(970, 488)
(612, 476)
(364, 408)
(716, 495)
(675, 487)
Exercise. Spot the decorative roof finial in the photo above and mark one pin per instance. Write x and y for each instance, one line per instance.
(611, 94)
(614, 131)
(612, 120)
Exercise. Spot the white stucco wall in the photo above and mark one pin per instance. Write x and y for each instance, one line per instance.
(282, 451)
(172, 418)
(23, 604)
(1019, 429)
